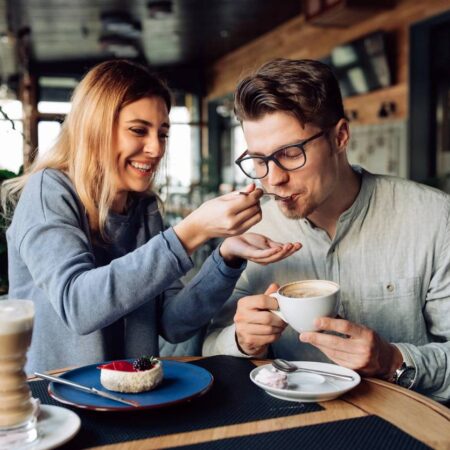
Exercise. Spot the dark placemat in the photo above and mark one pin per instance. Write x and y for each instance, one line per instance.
(368, 433)
(233, 399)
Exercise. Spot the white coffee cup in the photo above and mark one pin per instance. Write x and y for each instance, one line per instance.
(302, 302)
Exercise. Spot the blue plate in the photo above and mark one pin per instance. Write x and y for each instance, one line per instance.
(181, 382)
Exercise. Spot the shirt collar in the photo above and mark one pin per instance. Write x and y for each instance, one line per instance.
(362, 200)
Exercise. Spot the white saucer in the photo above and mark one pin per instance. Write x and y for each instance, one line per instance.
(56, 426)
(303, 387)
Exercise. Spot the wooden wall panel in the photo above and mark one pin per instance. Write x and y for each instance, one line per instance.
(297, 39)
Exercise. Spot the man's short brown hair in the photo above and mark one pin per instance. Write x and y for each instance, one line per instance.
(305, 88)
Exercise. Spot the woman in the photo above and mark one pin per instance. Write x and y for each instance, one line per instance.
(86, 242)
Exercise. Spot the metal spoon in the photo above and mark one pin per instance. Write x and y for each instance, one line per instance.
(288, 367)
(275, 196)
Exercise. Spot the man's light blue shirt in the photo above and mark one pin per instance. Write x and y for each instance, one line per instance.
(391, 257)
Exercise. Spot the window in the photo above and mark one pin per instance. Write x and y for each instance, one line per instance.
(238, 145)
(183, 155)
(181, 168)
(11, 128)
(54, 107)
(179, 152)
(48, 131)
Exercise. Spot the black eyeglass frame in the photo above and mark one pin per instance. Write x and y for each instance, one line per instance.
(271, 157)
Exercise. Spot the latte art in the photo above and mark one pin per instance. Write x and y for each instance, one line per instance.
(305, 292)
(302, 302)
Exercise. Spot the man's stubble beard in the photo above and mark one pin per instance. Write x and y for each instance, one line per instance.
(292, 211)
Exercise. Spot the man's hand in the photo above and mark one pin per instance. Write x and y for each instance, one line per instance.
(257, 248)
(256, 327)
(362, 349)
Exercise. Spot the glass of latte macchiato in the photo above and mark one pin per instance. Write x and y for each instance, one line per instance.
(17, 407)
(301, 302)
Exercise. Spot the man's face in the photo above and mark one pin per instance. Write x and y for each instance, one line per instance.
(310, 187)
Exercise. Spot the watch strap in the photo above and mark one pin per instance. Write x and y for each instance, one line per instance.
(398, 373)
(408, 365)
(404, 376)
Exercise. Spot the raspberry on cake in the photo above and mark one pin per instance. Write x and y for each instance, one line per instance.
(144, 374)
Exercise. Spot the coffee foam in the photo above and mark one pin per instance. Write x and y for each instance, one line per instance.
(308, 289)
(16, 316)
(306, 293)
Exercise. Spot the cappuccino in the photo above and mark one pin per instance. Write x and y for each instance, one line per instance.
(305, 293)
(16, 404)
(319, 298)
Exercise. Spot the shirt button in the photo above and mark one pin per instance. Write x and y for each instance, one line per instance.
(390, 287)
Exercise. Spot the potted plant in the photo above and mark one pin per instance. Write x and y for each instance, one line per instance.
(4, 175)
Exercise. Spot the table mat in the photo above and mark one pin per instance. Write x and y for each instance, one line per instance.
(233, 399)
(368, 433)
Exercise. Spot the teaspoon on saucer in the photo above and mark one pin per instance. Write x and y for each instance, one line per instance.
(288, 367)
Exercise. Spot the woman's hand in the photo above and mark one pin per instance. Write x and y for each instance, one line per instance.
(228, 215)
(257, 248)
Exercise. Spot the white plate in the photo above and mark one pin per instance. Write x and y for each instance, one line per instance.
(306, 387)
(56, 426)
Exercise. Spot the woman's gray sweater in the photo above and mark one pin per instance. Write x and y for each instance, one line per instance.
(96, 302)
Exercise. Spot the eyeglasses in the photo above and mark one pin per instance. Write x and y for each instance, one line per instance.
(288, 158)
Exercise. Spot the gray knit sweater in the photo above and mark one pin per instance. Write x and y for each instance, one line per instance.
(97, 301)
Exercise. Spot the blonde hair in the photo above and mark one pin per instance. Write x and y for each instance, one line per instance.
(83, 148)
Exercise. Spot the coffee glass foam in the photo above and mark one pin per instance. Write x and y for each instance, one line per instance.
(17, 408)
(302, 302)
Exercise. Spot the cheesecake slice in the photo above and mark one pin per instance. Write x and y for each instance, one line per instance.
(123, 376)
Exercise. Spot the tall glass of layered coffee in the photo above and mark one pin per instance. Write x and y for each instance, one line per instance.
(17, 408)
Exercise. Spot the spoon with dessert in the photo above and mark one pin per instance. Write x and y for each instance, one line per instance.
(268, 194)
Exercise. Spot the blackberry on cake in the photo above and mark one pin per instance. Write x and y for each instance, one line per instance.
(144, 362)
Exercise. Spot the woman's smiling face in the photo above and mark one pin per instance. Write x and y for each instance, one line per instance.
(139, 142)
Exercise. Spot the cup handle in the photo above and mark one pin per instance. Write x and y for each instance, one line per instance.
(275, 311)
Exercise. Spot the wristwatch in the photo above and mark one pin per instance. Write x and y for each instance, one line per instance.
(405, 375)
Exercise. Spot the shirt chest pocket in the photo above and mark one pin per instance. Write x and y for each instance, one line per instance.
(391, 289)
(393, 308)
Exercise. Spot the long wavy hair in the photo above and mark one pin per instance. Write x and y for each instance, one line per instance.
(83, 149)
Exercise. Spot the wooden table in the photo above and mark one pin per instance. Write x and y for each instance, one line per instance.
(418, 416)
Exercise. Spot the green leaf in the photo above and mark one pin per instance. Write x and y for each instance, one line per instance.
(6, 174)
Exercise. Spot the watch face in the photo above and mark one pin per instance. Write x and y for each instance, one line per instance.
(406, 378)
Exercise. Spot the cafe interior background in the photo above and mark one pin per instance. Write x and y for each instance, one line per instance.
(392, 59)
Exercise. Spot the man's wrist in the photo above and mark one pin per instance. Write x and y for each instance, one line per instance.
(239, 345)
(396, 363)
(259, 353)
(404, 372)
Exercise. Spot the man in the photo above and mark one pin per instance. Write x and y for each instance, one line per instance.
(385, 240)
